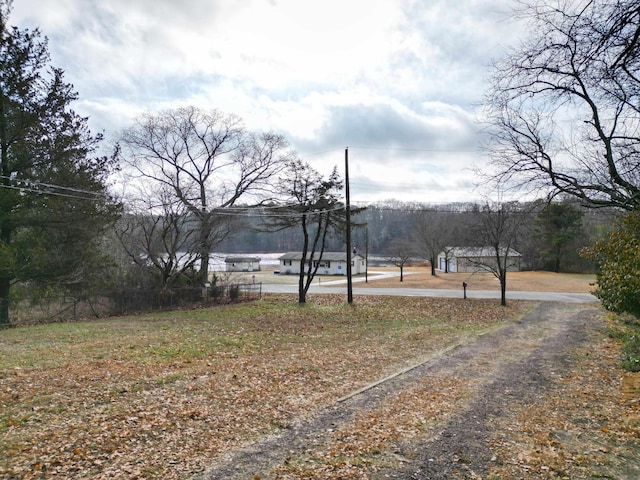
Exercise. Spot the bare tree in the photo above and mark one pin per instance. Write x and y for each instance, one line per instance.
(402, 251)
(157, 235)
(564, 108)
(434, 232)
(209, 162)
(497, 228)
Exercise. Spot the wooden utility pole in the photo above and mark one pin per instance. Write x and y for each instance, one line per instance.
(366, 253)
(348, 218)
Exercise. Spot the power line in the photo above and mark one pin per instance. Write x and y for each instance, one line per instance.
(34, 187)
(249, 213)
(398, 149)
(406, 149)
(43, 192)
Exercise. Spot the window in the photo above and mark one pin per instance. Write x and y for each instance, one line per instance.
(286, 263)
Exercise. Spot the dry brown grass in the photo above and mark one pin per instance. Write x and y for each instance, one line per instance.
(420, 277)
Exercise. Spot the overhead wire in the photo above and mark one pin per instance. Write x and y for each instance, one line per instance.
(406, 149)
(33, 187)
(43, 192)
(51, 189)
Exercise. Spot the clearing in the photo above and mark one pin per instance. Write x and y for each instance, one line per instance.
(420, 277)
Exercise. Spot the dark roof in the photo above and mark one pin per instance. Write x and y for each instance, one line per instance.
(477, 252)
(331, 256)
(241, 259)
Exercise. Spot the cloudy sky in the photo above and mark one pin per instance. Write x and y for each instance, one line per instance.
(396, 81)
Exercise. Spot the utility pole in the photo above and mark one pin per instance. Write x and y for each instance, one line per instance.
(366, 253)
(348, 218)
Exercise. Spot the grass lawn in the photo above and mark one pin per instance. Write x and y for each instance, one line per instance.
(161, 395)
(420, 277)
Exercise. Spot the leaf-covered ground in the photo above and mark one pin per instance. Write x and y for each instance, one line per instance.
(160, 396)
(168, 395)
(541, 399)
(587, 425)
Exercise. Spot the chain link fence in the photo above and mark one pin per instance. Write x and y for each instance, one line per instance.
(72, 308)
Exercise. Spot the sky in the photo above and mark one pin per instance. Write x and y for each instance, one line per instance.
(398, 82)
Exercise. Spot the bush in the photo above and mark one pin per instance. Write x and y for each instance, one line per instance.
(618, 274)
(234, 292)
(626, 330)
(631, 354)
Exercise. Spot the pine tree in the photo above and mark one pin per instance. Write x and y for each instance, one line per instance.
(54, 204)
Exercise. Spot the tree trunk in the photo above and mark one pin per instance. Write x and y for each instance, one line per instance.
(302, 293)
(5, 285)
(401, 274)
(503, 289)
(204, 247)
(433, 265)
(5, 231)
(204, 266)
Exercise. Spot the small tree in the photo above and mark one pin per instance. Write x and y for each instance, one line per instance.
(159, 238)
(497, 227)
(433, 232)
(619, 266)
(313, 204)
(401, 252)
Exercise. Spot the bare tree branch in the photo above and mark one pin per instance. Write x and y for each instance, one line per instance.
(564, 109)
(209, 162)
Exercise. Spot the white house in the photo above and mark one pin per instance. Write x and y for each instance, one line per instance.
(242, 264)
(471, 259)
(332, 263)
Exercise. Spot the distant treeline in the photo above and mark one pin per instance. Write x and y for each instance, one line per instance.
(378, 226)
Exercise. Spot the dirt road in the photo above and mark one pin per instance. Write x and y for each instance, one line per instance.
(470, 401)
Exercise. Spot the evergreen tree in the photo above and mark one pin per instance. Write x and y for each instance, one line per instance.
(557, 226)
(53, 199)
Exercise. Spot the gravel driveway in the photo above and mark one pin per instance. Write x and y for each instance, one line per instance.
(515, 364)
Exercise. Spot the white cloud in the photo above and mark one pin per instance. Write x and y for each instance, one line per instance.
(400, 77)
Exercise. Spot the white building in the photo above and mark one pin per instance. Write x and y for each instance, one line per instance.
(472, 259)
(331, 263)
(242, 264)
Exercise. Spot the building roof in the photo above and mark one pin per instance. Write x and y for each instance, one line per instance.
(331, 256)
(477, 252)
(241, 259)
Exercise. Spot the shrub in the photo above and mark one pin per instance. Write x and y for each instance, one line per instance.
(234, 292)
(618, 276)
